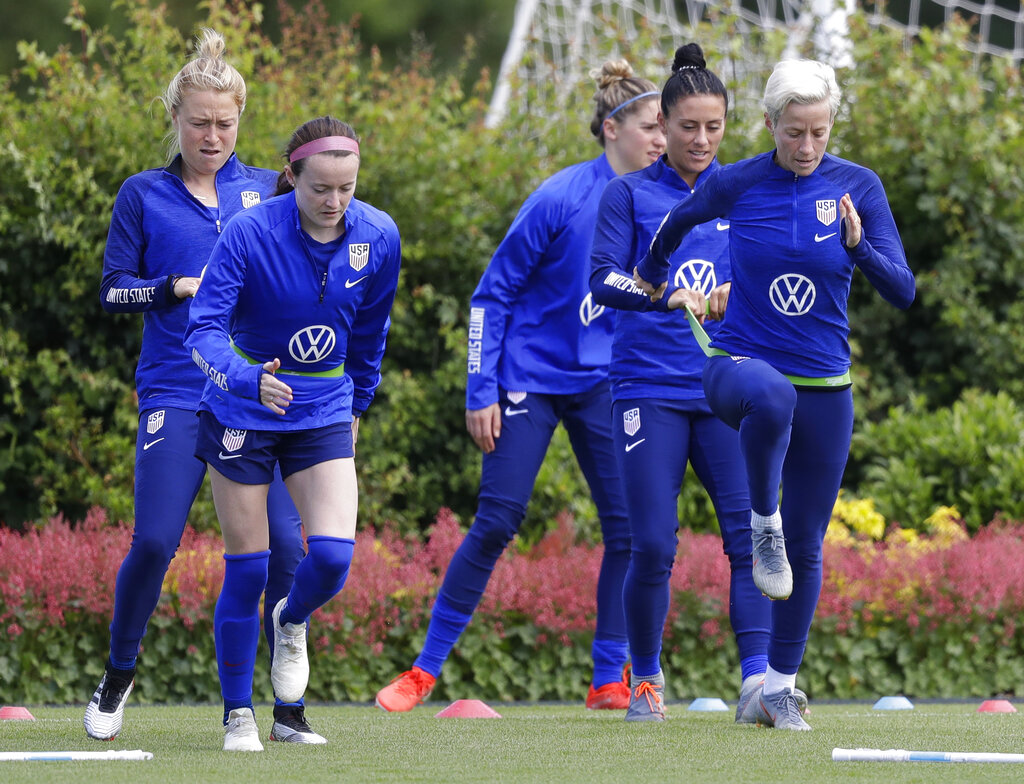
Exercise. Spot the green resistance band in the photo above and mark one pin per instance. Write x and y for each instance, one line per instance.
(801, 381)
(332, 373)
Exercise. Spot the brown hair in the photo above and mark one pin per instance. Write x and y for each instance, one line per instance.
(307, 132)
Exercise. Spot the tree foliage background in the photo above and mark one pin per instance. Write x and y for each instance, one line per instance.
(939, 388)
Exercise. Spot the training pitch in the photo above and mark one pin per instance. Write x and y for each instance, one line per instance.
(530, 743)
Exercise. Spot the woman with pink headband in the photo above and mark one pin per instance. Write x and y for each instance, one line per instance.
(289, 327)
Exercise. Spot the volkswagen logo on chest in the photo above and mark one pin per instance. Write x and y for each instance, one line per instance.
(311, 344)
(697, 275)
(792, 294)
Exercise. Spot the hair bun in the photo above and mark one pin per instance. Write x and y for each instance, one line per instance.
(610, 72)
(689, 56)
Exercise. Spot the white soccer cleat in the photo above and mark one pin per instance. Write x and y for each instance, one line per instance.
(241, 733)
(289, 671)
(105, 712)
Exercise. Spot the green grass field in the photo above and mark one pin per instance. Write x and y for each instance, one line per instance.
(531, 743)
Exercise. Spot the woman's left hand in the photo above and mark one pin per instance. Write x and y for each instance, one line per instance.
(853, 227)
(647, 288)
(355, 430)
(274, 393)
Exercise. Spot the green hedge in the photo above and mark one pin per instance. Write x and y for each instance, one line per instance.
(79, 121)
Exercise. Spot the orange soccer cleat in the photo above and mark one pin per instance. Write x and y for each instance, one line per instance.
(406, 691)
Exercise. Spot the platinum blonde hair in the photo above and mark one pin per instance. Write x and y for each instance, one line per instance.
(207, 70)
(802, 82)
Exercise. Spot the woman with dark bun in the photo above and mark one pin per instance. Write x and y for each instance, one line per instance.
(661, 418)
(538, 355)
(800, 222)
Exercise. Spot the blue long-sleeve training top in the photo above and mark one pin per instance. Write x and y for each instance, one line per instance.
(533, 325)
(267, 295)
(791, 269)
(654, 353)
(160, 231)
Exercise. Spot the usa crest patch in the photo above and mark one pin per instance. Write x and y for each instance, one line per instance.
(358, 255)
(826, 209)
(233, 439)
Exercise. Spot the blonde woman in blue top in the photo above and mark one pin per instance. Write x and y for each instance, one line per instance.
(163, 227)
(289, 327)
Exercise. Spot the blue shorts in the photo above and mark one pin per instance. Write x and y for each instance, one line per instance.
(248, 456)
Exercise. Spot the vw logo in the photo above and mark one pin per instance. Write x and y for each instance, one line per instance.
(589, 310)
(698, 275)
(311, 344)
(792, 294)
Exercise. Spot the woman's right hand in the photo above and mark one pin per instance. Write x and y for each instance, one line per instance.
(484, 426)
(695, 300)
(186, 287)
(274, 393)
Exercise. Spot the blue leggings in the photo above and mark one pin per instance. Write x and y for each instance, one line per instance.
(799, 438)
(506, 483)
(167, 479)
(654, 439)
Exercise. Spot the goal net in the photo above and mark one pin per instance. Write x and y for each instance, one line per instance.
(554, 42)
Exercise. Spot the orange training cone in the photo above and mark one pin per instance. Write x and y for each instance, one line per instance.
(11, 712)
(996, 706)
(468, 709)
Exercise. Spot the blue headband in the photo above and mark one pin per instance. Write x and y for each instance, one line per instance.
(634, 98)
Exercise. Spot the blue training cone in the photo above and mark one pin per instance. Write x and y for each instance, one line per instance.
(894, 703)
(708, 704)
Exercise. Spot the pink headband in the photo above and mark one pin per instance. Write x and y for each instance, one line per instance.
(323, 144)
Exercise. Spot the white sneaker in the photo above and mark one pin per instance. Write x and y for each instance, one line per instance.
(289, 671)
(241, 733)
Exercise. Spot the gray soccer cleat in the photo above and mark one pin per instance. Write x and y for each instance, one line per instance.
(241, 733)
(780, 711)
(646, 702)
(772, 574)
(750, 695)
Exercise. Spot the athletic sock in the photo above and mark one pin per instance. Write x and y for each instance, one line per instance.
(772, 522)
(318, 578)
(123, 668)
(753, 665)
(609, 657)
(775, 681)
(236, 625)
(658, 679)
(235, 705)
(445, 628)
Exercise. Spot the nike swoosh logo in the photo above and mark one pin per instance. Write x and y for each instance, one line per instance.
(151, 443)
(819, 238)
(722, 226)
(223, 456)
(350, 283)
(509, 411)
(629, 447)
